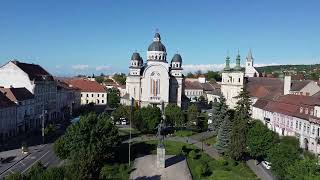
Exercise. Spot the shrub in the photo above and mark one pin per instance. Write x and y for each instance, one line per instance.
(193, 154)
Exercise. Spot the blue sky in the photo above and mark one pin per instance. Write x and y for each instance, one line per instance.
(72, 37)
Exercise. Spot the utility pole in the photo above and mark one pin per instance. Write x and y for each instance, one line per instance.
(131, 112)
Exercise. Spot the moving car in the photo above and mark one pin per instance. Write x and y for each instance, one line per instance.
(266, 164)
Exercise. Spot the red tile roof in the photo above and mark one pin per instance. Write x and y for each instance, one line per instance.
(17, 94)
(86, 85)
(267, 88)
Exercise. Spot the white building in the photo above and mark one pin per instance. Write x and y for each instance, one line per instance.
(91, 91)
(300, 87)
(8, 114)
(34, 78)
(292, 115)
(24, 99)
(156, 81)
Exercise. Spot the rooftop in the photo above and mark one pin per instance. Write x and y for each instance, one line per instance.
(86, 85)
(17, 94)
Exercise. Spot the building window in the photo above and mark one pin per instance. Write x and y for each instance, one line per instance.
(239, 79)
(102, 95)
(318, 132)
(304, 127)
(299, 125)
(87, 101)
(87, 95)
(308, 129)
(98, 101)
(306, 111)
(102, 101)
(301, 109)
(91, 95)
(296, 124)
(313, 130)
(98, 95)
(291, 124)
(81, 95)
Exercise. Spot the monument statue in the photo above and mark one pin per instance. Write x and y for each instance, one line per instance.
(161, 152)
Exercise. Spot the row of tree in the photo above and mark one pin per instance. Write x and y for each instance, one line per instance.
(147, 118)
(239, 136)
(210, 75)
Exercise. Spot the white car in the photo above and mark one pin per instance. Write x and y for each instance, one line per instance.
(266, 164)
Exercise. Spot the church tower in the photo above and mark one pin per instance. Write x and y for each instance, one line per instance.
(250, 70)
(232, 81)
(133, 85)
(177, 80)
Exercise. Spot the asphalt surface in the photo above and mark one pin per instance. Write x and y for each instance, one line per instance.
(42, 153)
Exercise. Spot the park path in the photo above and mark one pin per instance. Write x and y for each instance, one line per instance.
(212, 152)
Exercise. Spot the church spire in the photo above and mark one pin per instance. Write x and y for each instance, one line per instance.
(227, 67)
(238, 67)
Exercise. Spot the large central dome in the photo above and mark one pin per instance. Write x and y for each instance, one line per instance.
(156, 45)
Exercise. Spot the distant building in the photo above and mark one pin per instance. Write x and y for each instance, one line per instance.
(91, 91)
(37, 80)
(25, 105)
(8, 115)
(300, 87)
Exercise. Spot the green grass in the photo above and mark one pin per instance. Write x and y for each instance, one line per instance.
(224, 168)
(211, 140)
(127, 131)
(184, 133)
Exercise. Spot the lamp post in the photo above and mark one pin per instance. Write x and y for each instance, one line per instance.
(131, 112)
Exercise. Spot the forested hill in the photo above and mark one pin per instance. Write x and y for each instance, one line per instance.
(311, 71)
(297, 68)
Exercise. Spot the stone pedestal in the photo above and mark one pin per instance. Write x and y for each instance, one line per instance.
(161, 154)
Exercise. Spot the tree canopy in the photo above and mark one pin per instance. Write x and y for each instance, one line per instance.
(240, 126)
(174, 115)
(260, 140)
(88, 144)
(120, 78)
(113, 97)
(147, 118)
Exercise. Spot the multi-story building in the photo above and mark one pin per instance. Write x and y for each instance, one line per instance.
(24, 99)
(37, 80)
(68, 100)
(292, 115)
(91, 91)
(8, 114)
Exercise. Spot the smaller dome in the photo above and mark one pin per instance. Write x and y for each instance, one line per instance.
(141, 60)
(157, 35)
(176, 58)
(135, 56)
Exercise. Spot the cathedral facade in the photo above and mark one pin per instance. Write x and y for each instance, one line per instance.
(156, 81)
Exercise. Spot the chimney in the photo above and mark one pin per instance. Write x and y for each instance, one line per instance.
(286, 85)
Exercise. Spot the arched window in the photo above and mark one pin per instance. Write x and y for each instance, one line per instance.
(155, 84)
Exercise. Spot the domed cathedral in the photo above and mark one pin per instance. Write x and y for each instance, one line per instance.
(155, 81)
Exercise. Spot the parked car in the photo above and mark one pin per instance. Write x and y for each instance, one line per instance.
(266, 164)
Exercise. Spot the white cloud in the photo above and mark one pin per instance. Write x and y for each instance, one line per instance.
(80, 66)
(103, 68)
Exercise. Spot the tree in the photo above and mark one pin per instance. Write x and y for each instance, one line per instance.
(113, 97)
(260, 140)
(219, 111)
(212, 75)
(36, 171)
(190, 75)
(120, 78)
(240, 126)
(282, 155)
(303, 170)
(174, 115)
(121, 111)
(147, 118)
(192, 114)
(15, 176)
(224, 134)
(88, 144)
(99, 79)
(201, 98)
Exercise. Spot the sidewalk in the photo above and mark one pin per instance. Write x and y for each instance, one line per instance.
(212, 152)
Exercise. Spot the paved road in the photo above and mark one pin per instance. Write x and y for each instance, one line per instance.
(44, 154)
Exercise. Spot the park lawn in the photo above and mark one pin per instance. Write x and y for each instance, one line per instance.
(126, 131)
(218, 169)
(184, 133)
(211, 140)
